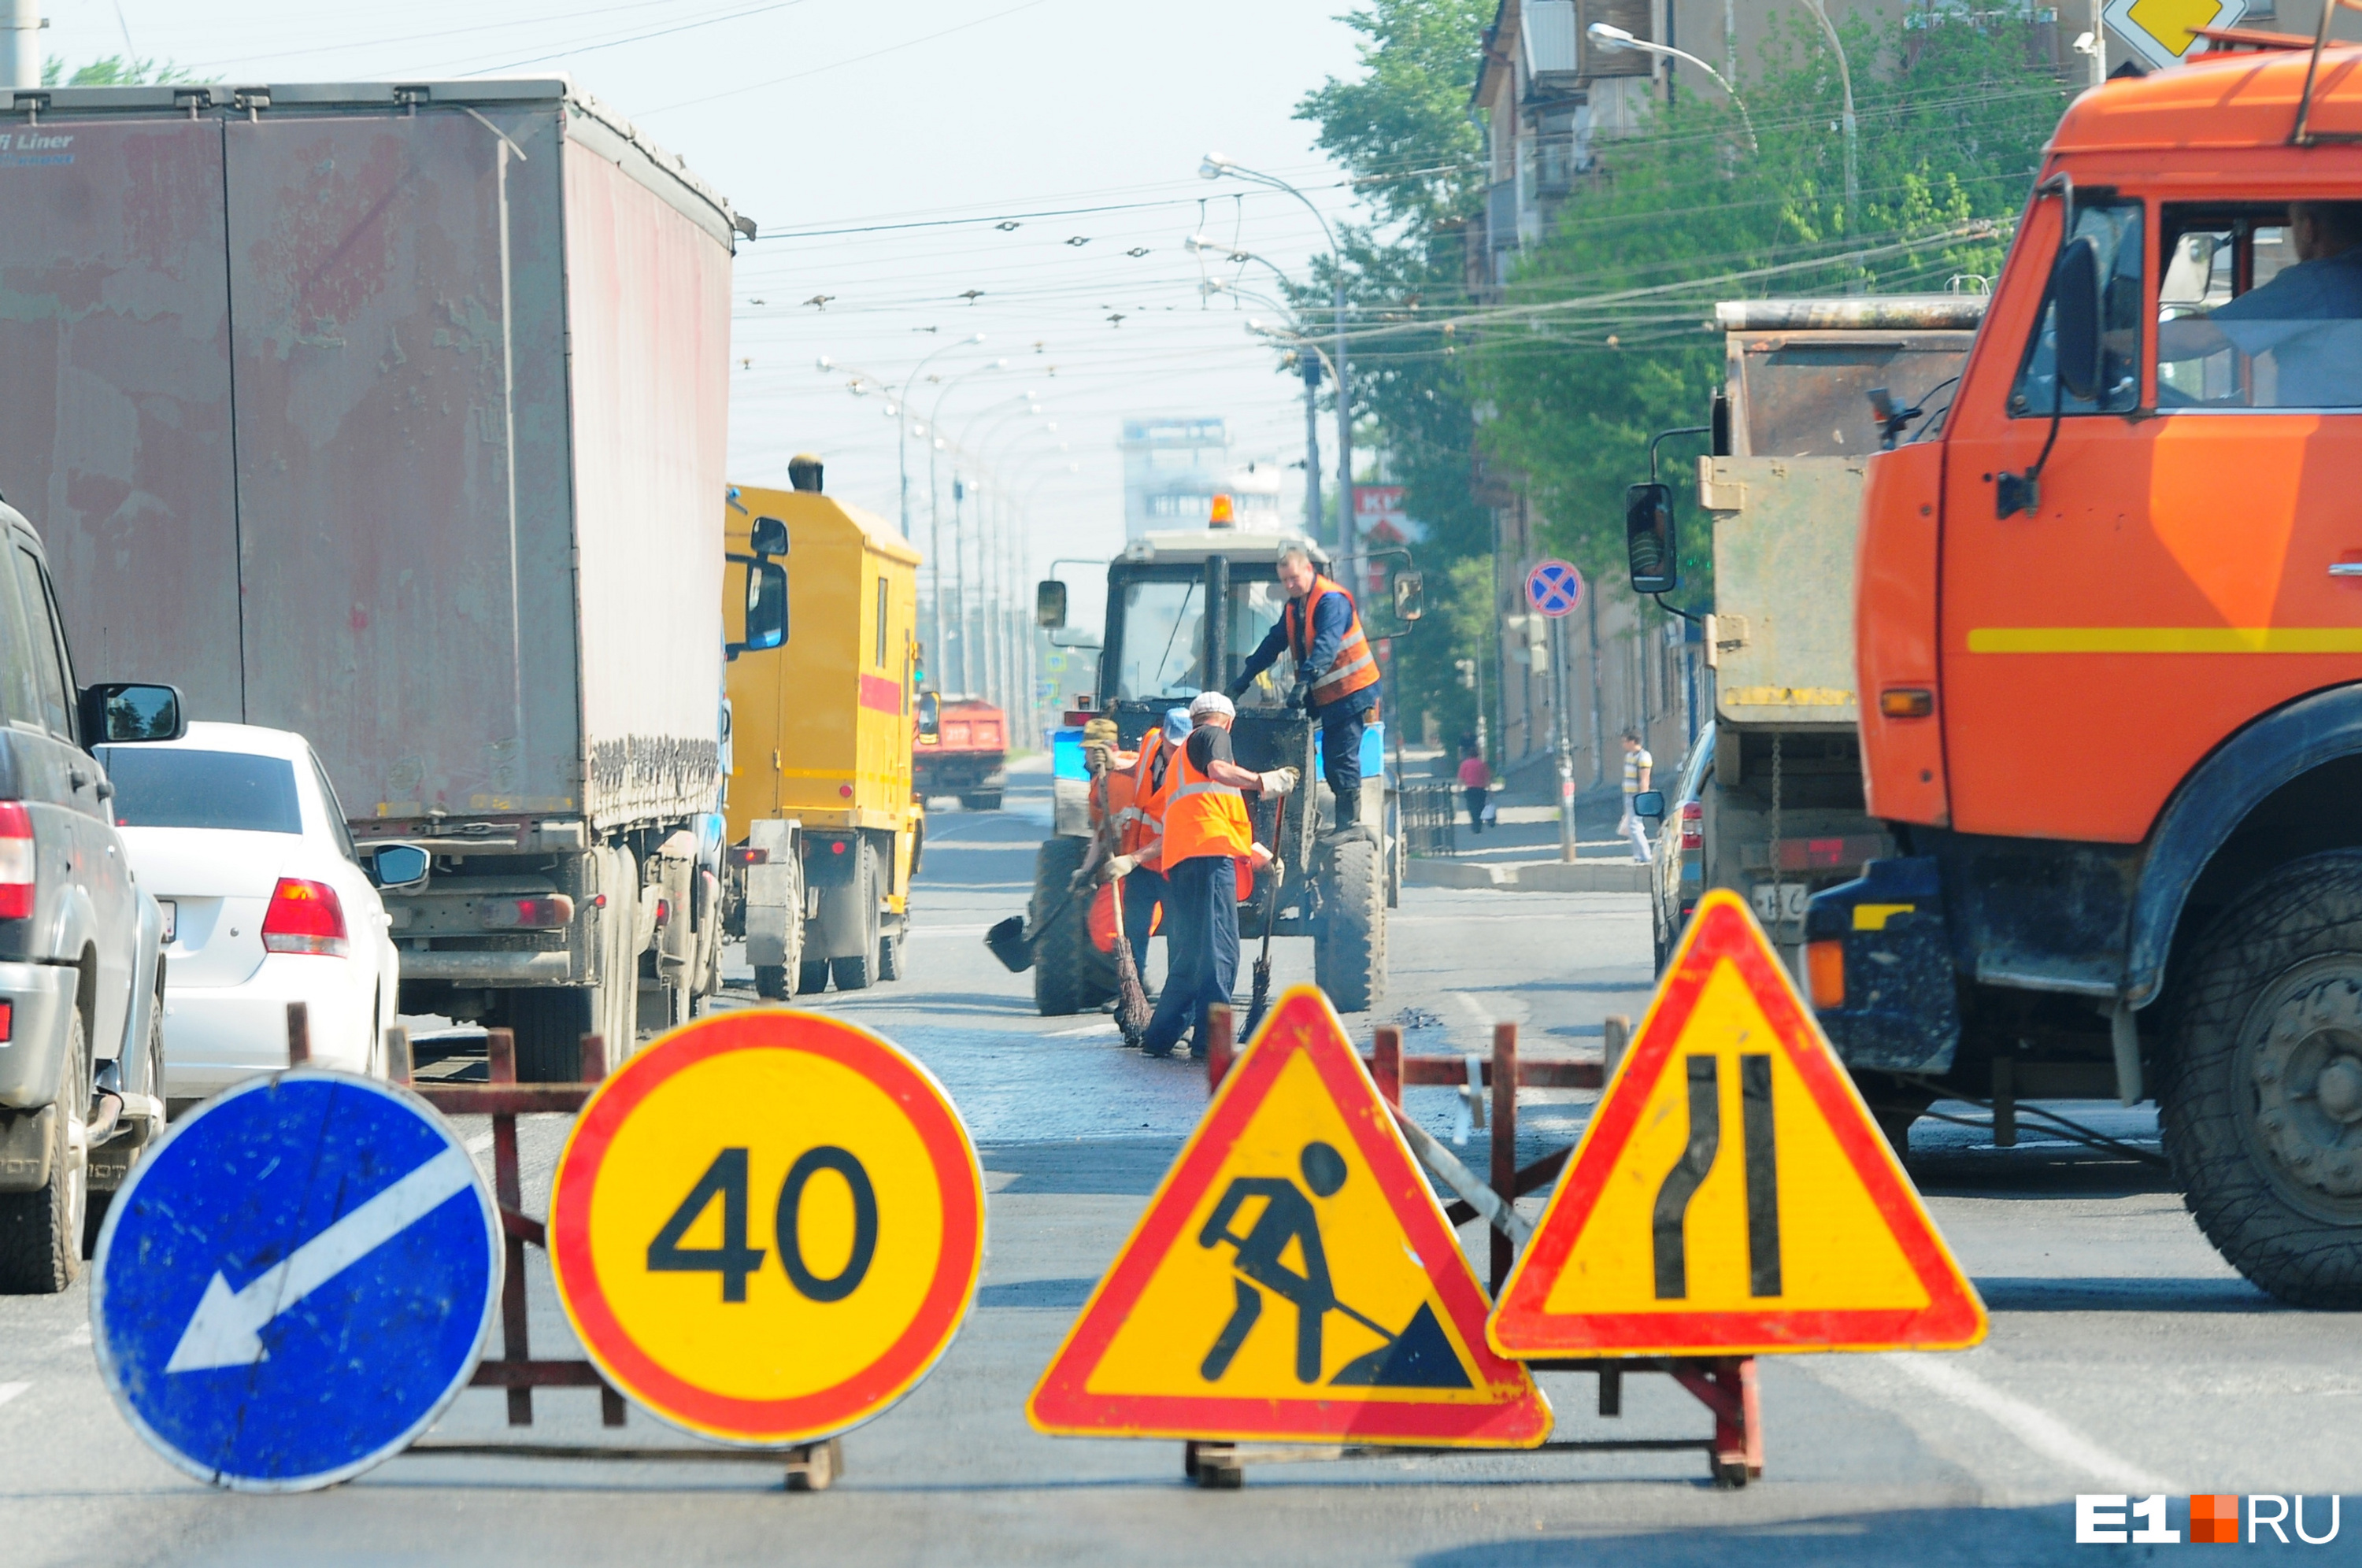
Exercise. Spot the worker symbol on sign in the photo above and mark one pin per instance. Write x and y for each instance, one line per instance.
(1419, 1357)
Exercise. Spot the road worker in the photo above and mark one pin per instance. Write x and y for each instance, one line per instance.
(1207, 834)
(1336, 674)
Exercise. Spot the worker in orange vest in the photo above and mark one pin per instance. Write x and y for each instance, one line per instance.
(1140, 822)
(1207, 832)
(1336, 674)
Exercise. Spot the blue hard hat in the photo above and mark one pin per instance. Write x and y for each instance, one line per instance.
(1176, 725)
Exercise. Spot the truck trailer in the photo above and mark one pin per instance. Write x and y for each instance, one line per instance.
(395, 415)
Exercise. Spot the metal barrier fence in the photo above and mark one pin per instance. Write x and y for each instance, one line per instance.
(1430, 830)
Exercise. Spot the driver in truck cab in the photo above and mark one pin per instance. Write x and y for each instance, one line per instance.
(1336, 673)
(2303, 323)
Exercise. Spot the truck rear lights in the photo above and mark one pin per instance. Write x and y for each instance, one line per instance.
(304, 917)
(748, 854)
(836, 846)
(17, 861)
(548, 912)
(845, 791)
(1825, 973)
(1906, 702)
(7, 1022)
(1693, 825)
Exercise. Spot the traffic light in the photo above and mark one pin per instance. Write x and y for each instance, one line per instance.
(1654, 558)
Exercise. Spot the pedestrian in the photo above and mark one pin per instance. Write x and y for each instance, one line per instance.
(1637, 764)
(1336, 674)
(1476, 779)
(1207, 832)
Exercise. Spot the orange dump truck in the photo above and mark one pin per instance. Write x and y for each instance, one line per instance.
(2108, 647)
(961, 746)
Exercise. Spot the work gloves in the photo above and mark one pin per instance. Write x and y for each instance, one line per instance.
(1301, 697)
(1279, 781)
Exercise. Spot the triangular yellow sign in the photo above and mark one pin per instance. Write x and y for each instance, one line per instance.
(1293, 1278)
(1732, 1194)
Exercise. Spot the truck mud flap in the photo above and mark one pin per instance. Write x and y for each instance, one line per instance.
(1900, 1011)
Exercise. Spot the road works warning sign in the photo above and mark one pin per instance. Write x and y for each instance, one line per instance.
(1731, 1195)
(1293, 1278)
(767, 1227)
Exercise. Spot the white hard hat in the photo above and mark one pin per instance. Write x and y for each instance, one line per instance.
(1207, 702)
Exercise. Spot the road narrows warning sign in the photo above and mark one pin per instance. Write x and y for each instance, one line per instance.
(767, 1226)
(1732, 1195)
(1293, 1278)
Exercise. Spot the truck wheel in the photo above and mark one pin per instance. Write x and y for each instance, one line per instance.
(41, 1231)
(1348, 948)
(2260, 1093)
(889, 956)
(856, 972)
(982, 800)
(771, 981)
(811, 976)
(549, 1023)
(1070, 976)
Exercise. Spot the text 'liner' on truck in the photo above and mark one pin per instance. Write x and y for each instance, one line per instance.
(395, 416)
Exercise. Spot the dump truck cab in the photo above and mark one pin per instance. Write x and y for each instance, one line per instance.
(2110, 651)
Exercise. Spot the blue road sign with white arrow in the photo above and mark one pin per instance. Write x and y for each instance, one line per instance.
(295, 1281)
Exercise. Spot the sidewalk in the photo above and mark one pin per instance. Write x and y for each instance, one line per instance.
(1521, 849)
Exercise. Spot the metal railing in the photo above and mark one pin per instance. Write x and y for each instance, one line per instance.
(1430, 827)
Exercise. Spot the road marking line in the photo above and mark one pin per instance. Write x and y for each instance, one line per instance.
(1474, 1008)
(75, 1339)
(479, 1142)
(10, 1390)
(2038, 1429)
(1106, 1027)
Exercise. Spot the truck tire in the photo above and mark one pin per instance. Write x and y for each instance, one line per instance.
(982, 800)
(1070, 976)
(811, 976)
(857, 971)
(41, 1231)
(771, 981)
(549, 1022)
(1348, 945)
(890, 956)
(2259, 1091)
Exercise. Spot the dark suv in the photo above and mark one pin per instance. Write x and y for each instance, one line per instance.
(81, 964)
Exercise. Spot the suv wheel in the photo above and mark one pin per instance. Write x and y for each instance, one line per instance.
(40, 1231)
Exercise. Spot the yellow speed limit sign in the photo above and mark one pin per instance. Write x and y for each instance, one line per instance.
(767, 1227)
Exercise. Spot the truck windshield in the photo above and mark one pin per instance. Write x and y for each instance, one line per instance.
(1255, 611)
(1163, 641)
(167, 787)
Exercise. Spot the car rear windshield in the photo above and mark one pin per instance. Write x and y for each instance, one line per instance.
(166, 787)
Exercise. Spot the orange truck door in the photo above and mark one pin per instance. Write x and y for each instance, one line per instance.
(2174, 579)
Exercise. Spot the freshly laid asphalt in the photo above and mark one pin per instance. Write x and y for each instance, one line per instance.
(2124, 1356)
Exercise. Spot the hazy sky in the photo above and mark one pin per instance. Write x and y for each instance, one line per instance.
(1074, 121)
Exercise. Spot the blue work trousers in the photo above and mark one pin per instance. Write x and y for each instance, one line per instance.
(1201, 949)
(1142, 890)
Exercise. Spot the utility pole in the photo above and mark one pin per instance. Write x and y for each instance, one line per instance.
(2099, 67)
(1349, 534)
(1598, 732)
(1310, 363)
(20, 43)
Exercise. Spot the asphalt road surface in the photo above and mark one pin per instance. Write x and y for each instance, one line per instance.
(2124, 1356)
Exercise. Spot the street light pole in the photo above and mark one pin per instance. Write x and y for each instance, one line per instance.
(1608, 37)
(935, 521)
(1308, 359)
(1213, 167)
(1852, 130)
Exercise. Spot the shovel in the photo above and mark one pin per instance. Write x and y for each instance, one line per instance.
(1260, 1000)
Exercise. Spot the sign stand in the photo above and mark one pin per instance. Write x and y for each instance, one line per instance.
(1725, 1386)
(810, 1467)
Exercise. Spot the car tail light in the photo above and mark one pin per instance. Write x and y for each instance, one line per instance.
(545, 913)
(1824, 971)
(1693, 825)
(304, 917)
(17, 861)
(748, 854)
(7, 1022)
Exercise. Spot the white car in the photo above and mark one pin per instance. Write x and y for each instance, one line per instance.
(236, 832)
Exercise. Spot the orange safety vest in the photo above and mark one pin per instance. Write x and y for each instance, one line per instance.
(1202, 817)
(1141, 818)
(1356, 667)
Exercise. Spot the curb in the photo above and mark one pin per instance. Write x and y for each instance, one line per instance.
(1539, 876)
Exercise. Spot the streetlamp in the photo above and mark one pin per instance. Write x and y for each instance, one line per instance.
(1607, 36)
(1852, 135)
(935, 648)
(972, 339)
(1214, 167)
(980, 647)
(1311, 370)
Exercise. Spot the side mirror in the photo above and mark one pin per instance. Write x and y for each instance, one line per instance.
(1649, 803)
(1050, 604)
(116, 712)
(931, 715)
(766, 608)
(398, 867)
(1649, 544)
(1411, 596)
(2075, 318)
(770, 536)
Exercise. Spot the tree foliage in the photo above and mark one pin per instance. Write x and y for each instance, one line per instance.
(110, 71)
